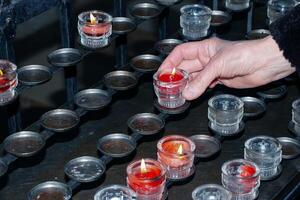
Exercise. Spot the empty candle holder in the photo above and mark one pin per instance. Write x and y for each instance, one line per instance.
(266, 153)
(211, 191)
(241, 178)
(8, 81)
(278, 8)
(195, 21)
(168, 87)
(176, 153)
(225, 113)
(115, 192)
(95, 28)
(296, 116)
(237, 5)
(147, 178)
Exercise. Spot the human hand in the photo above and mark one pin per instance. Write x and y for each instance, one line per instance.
(242, 64)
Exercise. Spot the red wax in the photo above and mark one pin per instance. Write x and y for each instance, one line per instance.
(247, 171)
(169, 77)
(5, 83)
(145, 182)
(170, 155)
(96, 29)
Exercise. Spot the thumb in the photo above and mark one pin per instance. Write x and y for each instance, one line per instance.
(201, 82)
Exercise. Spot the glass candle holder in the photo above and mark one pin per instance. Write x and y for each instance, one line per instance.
(8, 81)
(266, 153)
(176, 153)
(168, 87)
(94, 28)
(147, 178)
(278, 8)
(237, 5)
(241, 178)
(225, 113)
(195, 21)
(296, 115)
(115, 192)
(211, 191)
(167, 2)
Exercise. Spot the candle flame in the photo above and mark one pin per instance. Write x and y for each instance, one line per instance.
(1, 72)
(180, 150)
(173, 71)
(93, 19)
(143, 166)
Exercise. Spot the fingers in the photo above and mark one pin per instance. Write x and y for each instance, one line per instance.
(191, 65)
(201, 81)
(187, 51)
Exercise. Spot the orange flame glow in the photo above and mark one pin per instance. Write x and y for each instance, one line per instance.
(93, 19)
(1, 72)
(180, 150)
(173, 71)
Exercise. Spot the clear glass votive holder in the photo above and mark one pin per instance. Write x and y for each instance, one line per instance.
(237, 5)
(211, 192)
(195, 21)
(8, 81)
(266, 152)
(176, 154)
(168, 87)
(241, 178)
(278, 8)
(225, 113)
(148, 181)
(95, 28)
(115, 192)
(296, 115)
(167, 2)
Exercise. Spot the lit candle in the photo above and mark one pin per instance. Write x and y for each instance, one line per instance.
(168, 86)
(147, 178)
(176, 153)
(8, 76)
(95, 27)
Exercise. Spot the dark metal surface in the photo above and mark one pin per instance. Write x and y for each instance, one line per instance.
(34, 74)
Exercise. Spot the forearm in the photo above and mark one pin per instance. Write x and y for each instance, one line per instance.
(286, 32)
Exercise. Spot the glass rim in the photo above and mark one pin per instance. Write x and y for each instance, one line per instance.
(211, 185)
(149, 160)
(294, 104)
(165, 138)
(109, 17)
(12, 65)
(184, 73)
(211, 100)
(284, 6)
(278, 148)
(224, 172)
(206, 8)
(114, 186)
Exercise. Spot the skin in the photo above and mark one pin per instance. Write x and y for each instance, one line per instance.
(240, 64)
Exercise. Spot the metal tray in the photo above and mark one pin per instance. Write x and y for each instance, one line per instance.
(3, 168)
(65, 57)
(146, 63)
(116, 145)
(257, 34)
(123, 25)
(290, 147)
(220, 18)
(270, 92)
(24, 143)
(60, 120)
(120, 80)
(166, 46)
(34, 74)
(92, 99)
(206, 146)
(172, 111)
(145, 10)
(50, 190)
(253, 106)
(85, 169)
(145, 123)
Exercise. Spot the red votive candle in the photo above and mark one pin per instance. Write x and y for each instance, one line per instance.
(176, 153)
(147, 179)
(94, 27)
(168, 86)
